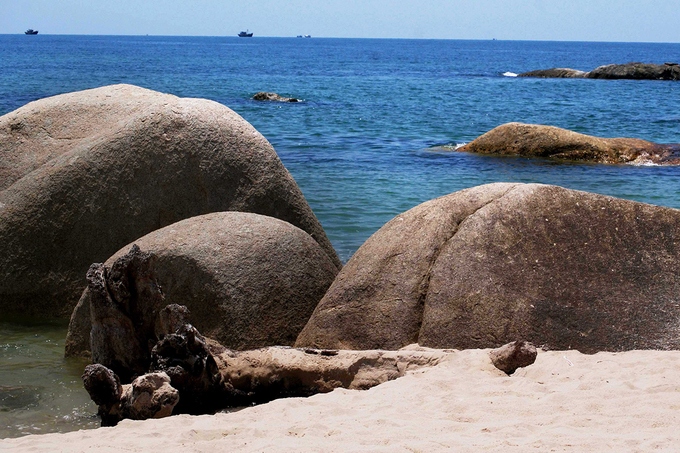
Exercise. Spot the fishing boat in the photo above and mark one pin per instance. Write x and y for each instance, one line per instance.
(30, 31)
(245, 34)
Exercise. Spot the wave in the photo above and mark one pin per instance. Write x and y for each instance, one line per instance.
(509, 74)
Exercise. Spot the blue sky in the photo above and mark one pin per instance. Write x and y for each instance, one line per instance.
(561, 20)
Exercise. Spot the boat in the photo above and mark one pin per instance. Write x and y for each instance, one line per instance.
(245, 34)
(30, 31)
(304, 36)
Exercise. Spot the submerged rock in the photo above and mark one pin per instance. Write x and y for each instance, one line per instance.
(266, 96)
(484, 266)
(83, 174)
(534, 140)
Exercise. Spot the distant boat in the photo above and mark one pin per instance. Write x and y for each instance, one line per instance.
(304, 36)
(245, 34)
(30, 31)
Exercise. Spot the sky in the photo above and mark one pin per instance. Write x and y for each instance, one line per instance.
(545, 20)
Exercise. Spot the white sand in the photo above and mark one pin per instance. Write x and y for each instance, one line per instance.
(566, 401)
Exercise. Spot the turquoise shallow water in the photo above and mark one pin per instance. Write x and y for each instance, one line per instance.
(360, 145)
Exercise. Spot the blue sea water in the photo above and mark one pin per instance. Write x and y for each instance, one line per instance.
(362, 144)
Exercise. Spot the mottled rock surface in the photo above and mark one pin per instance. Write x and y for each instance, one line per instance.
(248, 280)
(83, 174)
(511, 356)
(267, 96)
(482, 267)
(559, 73)
(633, 70)
(535, 140)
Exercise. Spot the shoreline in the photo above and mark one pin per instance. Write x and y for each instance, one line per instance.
(565, 401)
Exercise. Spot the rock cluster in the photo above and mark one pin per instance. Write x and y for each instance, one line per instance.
(534, 140)
(635, 70)
(83, 174)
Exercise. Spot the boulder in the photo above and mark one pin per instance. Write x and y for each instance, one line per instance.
(248, 281)
(266, 96)
(534, 140)
(83, 174)
(556, 73)
(479, 268)
(635, 71)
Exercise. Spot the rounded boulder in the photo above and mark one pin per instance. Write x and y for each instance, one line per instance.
(488, 265)
(537, 140)
(248, 280)
(82, 174)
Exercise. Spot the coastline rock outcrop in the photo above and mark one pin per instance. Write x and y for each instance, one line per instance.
(560, 268)
(274, 97)
(535, 140)
(248, 280)
(633, 70)
(82, 174)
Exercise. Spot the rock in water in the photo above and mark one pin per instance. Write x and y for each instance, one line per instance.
(511, 356)
(266, 96)
(636, 71)
(484, 266)
(559, 73)
(248, 280)
(83, 174)
(534, 140)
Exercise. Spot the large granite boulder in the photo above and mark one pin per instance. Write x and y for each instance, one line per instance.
(634, 70)
(83, 174)
(248, 281)
(489, 265)
(535, 140)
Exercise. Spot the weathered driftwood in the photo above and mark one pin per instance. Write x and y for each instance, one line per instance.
(151, 362)
(124, 306)
(201, 377)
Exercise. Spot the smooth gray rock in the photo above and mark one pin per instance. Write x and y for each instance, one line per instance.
(83, 174)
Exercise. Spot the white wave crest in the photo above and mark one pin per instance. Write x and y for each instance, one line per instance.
(509, 74)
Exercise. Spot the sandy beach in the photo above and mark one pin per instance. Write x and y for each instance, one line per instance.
(566, 401)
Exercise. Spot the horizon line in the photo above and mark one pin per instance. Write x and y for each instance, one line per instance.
(347, 37)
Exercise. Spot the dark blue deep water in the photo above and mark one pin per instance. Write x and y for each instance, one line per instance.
(360, 144)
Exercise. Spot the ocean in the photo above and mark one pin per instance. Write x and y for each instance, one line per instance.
(364, 145)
